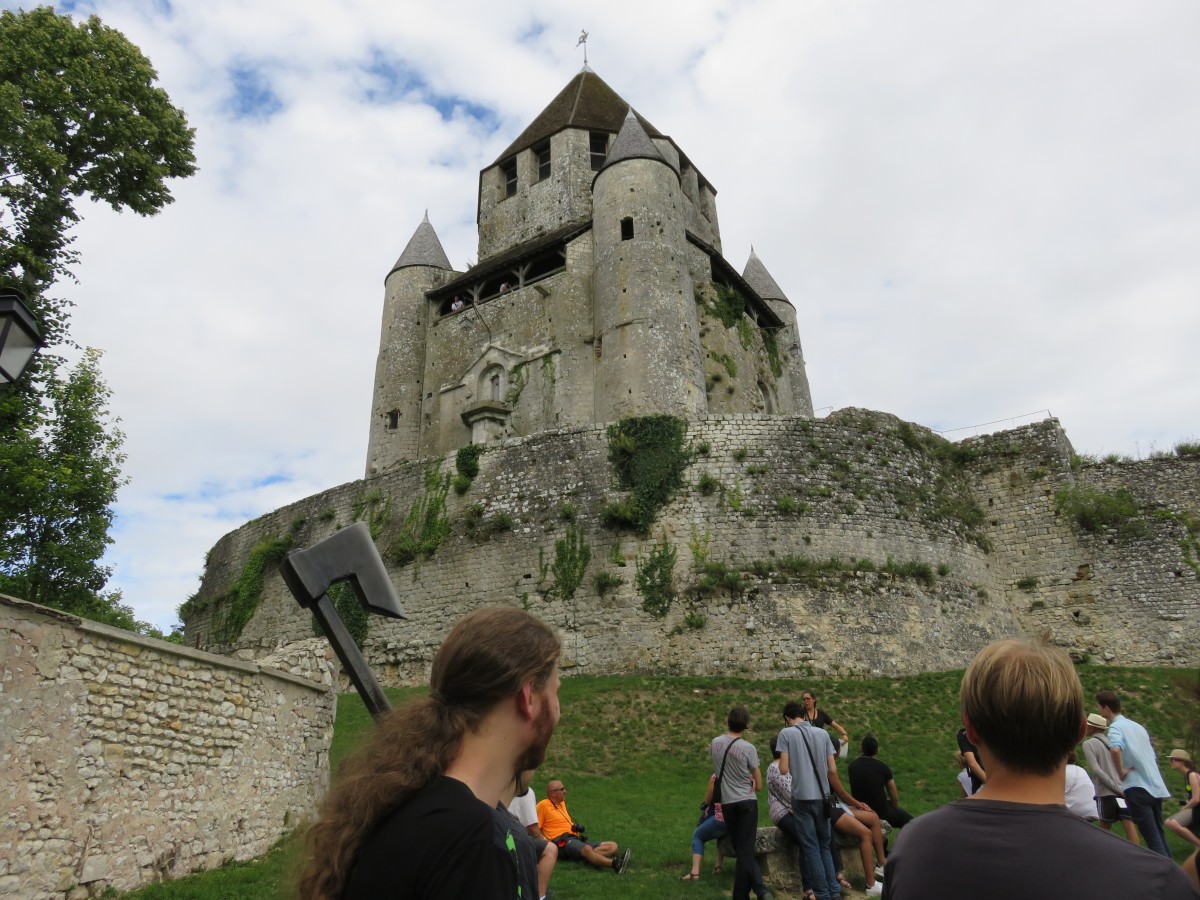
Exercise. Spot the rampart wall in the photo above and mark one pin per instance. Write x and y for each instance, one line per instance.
(127, 759)
(977, 550)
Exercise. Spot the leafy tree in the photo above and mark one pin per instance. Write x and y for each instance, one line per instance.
(56, 509)
(79, 114)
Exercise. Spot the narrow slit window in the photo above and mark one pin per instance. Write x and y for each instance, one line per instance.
(627, 228)
(393, 420)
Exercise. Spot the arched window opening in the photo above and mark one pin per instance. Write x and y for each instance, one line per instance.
(627, 228)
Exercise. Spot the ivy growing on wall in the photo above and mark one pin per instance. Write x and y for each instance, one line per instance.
(466, 464)
(571, 558)
(426, 526)
(771, 345)
(649, 456)
(228, 623)
(655, 579)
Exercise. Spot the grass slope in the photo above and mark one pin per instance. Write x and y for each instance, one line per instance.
(633, 754)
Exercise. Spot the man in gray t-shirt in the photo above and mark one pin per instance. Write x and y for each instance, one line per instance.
(807, 754)
(735, 760)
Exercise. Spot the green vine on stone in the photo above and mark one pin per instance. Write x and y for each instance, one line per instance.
(247, 591)
(426, 526)
(771, 345)
(649, 455)
(655, 579)
(571, 558)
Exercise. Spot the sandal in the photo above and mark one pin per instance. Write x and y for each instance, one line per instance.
(717, 870)
(691, 876)
(843, 882)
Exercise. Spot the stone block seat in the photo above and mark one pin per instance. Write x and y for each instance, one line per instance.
(779, 858)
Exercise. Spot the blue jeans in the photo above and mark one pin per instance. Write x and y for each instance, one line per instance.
(815, 839)
(790, 826)
(1146, 812)
(741, 818)
(708, 830)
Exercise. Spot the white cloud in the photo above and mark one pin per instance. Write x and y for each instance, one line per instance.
(979, 211)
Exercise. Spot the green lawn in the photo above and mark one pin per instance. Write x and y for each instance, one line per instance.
(632, 751)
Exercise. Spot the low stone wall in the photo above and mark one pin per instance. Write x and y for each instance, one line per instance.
(128, 759)
(778, 857)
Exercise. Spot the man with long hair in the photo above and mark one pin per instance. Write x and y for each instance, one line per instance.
(1022, 705)
(411, 814)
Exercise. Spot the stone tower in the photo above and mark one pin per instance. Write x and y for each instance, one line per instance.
(600, 292)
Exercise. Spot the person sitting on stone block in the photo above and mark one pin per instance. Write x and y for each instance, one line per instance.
(871, 781)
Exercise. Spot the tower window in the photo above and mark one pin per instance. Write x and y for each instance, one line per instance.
(393, 420)
(508, 172)
(627, 228)
(542, 154)
(599, 150)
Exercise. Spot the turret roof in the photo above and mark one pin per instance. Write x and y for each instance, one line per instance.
(632, 143)
(760, 279)
(424, 249)
(586, 102)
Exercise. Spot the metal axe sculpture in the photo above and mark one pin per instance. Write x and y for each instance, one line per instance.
(348, 555)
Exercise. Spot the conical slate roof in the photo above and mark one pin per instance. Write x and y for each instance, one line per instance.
(586, 102)
(632, 143)
(424, 249)
(760, 279)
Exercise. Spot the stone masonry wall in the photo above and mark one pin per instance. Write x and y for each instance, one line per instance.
(128, 759)
(857, 485)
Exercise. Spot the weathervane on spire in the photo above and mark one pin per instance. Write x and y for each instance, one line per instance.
(583, 36)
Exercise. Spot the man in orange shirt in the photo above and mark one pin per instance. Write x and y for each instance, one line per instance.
(559, 828)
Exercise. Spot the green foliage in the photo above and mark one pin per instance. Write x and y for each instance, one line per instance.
(372, 508)
(745, 332)
(571, 558)
(60, 469)
(703, 448)
(461, 484)
(771, 345)
(426, 526)
(649, 456)
(466, 461)
(730, 305)
(328, 514)
(729, 363)
(655, 579)
(695, 621)
(739, 454)
(943, 570)
(79, 115)
(1028, 584)
(247, 590)
(707, 484)
(352, 613)
(918, 571)
(1188, 449)
(790, 506)
(1093, 510)
(606, 581)
(568, 512)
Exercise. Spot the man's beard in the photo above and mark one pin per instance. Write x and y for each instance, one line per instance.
(535, 753)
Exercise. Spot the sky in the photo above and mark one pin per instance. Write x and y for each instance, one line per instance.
(985, 213)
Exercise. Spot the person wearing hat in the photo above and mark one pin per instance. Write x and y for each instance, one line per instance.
(1186, 822)
(1110, 799)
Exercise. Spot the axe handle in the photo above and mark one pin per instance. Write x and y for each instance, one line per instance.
(352, 659)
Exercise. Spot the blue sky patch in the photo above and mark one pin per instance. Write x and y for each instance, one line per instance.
(253, 97)
(392, 79)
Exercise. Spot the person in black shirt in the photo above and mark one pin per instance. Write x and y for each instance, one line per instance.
(871, 782)
(971, 755)
(412, 816)
(818, 718)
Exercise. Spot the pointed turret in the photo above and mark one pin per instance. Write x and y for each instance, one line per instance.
(795, 376)
(423, 249)
(632, 143)
(760, 279)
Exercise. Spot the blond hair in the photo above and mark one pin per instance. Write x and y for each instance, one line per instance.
(1025, 702)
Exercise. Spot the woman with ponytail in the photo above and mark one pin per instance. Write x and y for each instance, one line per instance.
(411, 814)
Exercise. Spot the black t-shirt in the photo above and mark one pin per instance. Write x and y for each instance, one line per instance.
(442, 843)
(965, 746)
(992, 850)
(868, 782)
(506, 826)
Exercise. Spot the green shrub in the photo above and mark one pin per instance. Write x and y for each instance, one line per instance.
(571, 558)
(1028, 584)
(1188, 449)
(707, 484)
(426, 526)
(1093, 510)
(619, 514)
(703, 448)
(729, 306)
(607, 581)
(461, 484)
(649, 456)
(568, 513)
(695, 621)
(739, 454)
(655, 579)
(943, 570)
(466, 461)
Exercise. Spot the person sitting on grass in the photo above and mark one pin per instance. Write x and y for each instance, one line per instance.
(556, 825)
(709, 828)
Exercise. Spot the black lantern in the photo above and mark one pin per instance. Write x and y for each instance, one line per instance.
(19, 338)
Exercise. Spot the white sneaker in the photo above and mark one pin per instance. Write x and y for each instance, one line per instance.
(879, 872)
(875, 890)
